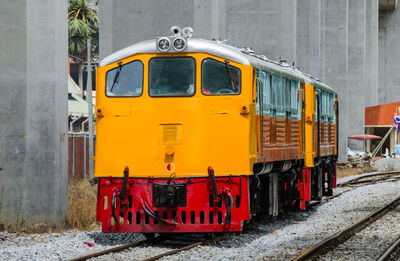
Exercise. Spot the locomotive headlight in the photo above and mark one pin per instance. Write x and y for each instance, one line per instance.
(179, 43)
(163, 44)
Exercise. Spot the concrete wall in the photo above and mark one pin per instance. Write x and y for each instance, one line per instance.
(389, 56)
(33, 110)
(335, 41)
(356, 74)
(308, 36)
(269, 27)
(334, 59)
(126, 22)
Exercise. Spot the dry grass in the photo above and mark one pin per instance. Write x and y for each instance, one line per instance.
(81, 205)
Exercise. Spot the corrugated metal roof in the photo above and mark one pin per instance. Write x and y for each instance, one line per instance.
(76, 105)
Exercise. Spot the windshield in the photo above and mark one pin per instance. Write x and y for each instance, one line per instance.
(125, 80)
(217, 79)
(172, 76)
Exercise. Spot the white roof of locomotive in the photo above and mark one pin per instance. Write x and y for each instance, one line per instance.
(239, 55)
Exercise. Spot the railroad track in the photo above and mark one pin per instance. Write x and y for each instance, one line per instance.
(371, 178)
(187, 247)
(153, 241)
(342, 236)
(113, 250)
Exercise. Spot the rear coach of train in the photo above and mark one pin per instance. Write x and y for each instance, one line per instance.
(199, 136)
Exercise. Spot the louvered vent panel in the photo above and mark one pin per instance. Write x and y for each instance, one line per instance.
(170, 133)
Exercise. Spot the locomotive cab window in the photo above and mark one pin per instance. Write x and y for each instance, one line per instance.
(219, 78)
(125, 80)
(172, 76)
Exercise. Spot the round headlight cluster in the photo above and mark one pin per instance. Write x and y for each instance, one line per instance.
(179, 43)
(163, 44)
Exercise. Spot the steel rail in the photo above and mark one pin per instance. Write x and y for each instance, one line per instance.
(114, 249)
(368, 182)
(172, 252)
(390, 250)
(343, 235)
(373, 174)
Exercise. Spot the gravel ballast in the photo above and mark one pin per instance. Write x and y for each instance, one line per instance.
(283, 238)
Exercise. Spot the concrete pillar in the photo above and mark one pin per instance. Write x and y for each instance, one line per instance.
(106, 26)
(33, 113)
(371, 50)
(309, 36)
(334, 60)
(209, 19)
(269, 27)
(389, 56)
(356, 76)
(128, 22)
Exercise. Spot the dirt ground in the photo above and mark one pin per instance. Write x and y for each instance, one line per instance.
(345, 172)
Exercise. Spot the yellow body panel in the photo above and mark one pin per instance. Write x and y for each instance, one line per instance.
(309, 97)
(146, 133)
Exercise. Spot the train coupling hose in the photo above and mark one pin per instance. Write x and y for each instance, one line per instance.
(229, 204)
(214, 184)
(113, 206)
(122, 195)
(147, 209)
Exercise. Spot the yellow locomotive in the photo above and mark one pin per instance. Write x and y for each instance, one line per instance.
(199, 136)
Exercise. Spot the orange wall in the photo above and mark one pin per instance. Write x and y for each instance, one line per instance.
(380, 114)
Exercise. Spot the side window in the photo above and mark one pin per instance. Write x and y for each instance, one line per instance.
(318, 102)
(327, 113)
(268, 91)
(280, 95)
(287, 95)
(264, 79)
(293, 96)
(125, 80)
(332, 110)
(259, 86)
(219, 78)
(276, 84)
(295, 104)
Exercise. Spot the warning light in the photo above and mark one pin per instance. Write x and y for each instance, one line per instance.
(170, 167)
(308, 118)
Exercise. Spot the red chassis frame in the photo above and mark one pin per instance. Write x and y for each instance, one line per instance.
(201, 213)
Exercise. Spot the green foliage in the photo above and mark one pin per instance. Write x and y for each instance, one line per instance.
(83, 24)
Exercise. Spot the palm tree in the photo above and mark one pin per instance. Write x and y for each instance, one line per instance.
(83, 24)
